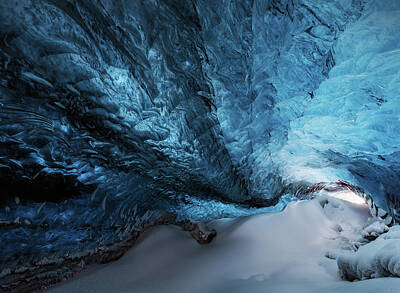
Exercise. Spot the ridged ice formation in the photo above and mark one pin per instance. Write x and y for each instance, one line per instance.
(111, 111)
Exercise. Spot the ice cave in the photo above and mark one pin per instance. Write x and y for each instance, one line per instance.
(192, 146)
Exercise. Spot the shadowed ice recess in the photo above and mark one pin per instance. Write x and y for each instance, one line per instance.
(115, 112)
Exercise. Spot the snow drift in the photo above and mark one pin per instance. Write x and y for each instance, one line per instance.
(380, 258)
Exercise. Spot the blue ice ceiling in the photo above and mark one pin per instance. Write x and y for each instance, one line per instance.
(112, 109)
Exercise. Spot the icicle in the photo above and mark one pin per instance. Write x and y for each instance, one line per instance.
(104, 203)
(94, 193)
(40, 208)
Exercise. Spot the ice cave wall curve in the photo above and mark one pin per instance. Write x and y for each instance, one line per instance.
(349, 129)
(174, 91)
(106, 105)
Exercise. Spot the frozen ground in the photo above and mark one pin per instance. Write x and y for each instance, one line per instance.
(280, 252)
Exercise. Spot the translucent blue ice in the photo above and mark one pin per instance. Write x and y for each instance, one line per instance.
(113, 112)
(349, 130)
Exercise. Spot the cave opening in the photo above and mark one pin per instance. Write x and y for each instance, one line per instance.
(117, 117)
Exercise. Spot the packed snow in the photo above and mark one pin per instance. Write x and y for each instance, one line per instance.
(290, 251)
(380, 258)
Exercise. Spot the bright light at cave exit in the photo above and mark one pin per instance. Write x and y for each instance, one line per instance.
(300, 173)
(349, 196)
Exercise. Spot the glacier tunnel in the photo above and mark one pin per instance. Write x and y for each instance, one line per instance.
(117, 114)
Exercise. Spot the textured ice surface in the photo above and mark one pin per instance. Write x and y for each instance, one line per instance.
(349, 129)
(106, 106)
(266, 57)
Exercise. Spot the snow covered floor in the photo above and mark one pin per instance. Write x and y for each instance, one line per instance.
(280, 252)
(379, 258)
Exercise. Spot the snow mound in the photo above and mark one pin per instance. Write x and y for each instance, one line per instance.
(374, 230)
(380, 258)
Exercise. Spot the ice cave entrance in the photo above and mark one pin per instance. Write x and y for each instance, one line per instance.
(349, 196)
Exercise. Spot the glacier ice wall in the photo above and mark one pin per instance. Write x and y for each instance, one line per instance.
(266, 58)
(112, 109)
(349, 129)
